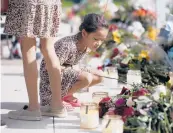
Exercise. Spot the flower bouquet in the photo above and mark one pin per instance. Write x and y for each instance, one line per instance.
(141, 110)
(150, 59)
(147, 17)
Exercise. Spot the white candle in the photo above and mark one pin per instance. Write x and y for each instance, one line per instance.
(112, 124)
(98, 96)
(89, 116)
(112, 73)
(134, 77)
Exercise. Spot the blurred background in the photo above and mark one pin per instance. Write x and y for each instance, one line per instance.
(128, 19)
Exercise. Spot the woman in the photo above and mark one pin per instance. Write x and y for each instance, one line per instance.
(31, 19)
(70, 51)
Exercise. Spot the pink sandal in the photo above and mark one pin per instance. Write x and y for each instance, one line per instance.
(74, 103)
(68, 106)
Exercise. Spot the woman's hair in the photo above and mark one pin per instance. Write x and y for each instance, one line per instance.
(92, 22)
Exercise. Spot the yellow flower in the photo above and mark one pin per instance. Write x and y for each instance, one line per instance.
(143, 54)
(152, 33)
(116, 36)
(169, 84)
(91, 53)
(131, 66)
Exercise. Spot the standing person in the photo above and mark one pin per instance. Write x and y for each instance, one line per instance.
(29, 19)
(70, 50)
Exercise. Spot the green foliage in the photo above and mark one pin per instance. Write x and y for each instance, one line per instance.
(67, 3)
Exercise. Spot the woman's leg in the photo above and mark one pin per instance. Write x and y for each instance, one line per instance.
(54, 69)
(85, 80)
(96, 80)
(28, 48)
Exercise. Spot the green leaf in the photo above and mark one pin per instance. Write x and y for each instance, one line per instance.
(135, 122)
(143, 118)
(141, 130)
(161, 116)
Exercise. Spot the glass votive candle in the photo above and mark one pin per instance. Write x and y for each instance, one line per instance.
(89, 116)
(112, 124)
(98, 96)
(134, 77)
(112, 73)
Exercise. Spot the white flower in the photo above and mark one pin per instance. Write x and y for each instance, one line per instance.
(156, 96)
(143, 112)
(130, 102)
(142, 101)
(160, 89)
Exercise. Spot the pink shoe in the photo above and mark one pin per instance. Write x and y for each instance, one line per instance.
(75, 102)
(68, 106)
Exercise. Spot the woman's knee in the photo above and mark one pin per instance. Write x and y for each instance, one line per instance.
(28, 45)
(87, 78)
(48, 51)
(47, 45)
(28, 49)
(99, 79)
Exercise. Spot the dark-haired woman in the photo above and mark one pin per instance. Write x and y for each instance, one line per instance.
(70, 50)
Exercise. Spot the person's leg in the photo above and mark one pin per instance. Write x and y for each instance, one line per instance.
(85, 80)
(31, 112)
(54, 70)
(96, 80)
(82, 83)
(30, 70)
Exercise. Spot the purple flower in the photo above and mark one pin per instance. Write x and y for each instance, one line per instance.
(120, 102)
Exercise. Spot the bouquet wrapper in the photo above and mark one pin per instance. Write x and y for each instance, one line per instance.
(157, 54)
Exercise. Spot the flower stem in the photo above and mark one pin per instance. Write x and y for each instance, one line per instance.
(167, 124)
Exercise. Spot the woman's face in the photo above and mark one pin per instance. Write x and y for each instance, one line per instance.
(94, 40)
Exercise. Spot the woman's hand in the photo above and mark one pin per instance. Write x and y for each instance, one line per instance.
(97, 72)
(93, 71)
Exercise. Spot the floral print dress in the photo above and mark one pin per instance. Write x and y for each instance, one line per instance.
(33, 18)
(68, 54)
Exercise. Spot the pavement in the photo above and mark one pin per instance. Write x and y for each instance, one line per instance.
(14, 97)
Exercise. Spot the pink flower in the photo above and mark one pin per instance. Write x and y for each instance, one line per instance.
(99, 67)
(106, 99)
(125, 91)
(120, 102)
(110, 111)
(97, 55)
(130, 102)
(141, 92)
(115, 53)
(128, 111)
(125, 112)
(113, 27)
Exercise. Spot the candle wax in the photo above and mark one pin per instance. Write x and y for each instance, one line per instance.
(89, 120)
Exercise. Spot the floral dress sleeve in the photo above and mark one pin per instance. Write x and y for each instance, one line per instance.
(62, 51)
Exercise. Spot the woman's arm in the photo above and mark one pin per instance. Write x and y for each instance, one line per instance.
(93, 71)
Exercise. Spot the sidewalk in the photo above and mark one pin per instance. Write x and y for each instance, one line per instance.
(14, 96)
